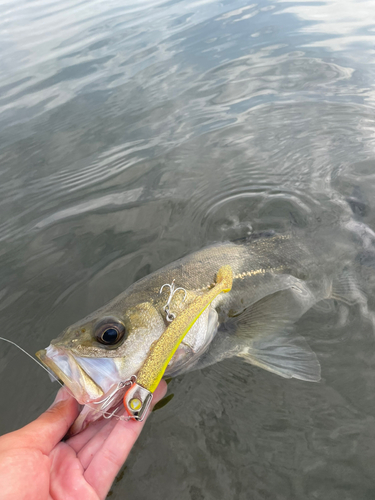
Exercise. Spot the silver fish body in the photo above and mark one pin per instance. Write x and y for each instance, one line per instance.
(276, 280)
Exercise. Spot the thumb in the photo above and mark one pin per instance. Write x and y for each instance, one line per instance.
(48, 429)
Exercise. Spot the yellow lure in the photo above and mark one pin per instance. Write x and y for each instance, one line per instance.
(163, 350)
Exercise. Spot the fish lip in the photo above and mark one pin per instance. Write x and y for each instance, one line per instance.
(51, 366)
(85, 389)
(93, 407)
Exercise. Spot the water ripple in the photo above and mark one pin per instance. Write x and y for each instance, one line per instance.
(132, 133)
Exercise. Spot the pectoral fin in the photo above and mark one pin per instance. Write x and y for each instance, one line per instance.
(263, 335)
(287, 356)
(265, 330)
(271, 344)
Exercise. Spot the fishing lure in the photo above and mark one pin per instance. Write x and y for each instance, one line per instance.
(138, 397)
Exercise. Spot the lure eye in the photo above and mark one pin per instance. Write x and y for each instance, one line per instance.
(110, 332)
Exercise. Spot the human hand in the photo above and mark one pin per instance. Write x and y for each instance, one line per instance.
(36, 465)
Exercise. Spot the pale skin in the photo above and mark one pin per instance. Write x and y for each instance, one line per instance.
(35, 464)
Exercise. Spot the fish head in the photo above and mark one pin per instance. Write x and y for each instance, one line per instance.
(103, 349)
(110, 346)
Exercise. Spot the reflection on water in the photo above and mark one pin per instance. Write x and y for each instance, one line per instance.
(133, 134)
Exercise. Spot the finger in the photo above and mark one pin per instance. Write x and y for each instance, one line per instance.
(88, 443)
(78, 441)
(48, 429)
(107, 462)
(87, 453)
(93, 430)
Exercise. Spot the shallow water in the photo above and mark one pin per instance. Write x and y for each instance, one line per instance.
(134, 133)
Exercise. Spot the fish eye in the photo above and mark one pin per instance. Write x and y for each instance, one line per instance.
(109, 336)
(110, 332)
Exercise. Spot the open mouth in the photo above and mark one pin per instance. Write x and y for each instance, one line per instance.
(92, 381)
(87, 378)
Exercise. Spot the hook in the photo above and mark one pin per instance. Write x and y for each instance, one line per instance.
(172, 291)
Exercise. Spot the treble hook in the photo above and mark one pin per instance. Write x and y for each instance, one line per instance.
(172, 290)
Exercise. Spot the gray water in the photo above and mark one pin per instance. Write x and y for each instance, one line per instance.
(133, 133)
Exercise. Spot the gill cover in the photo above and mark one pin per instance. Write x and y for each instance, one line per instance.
(138, 397)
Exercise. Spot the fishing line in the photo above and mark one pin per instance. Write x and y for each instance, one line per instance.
(30, 356)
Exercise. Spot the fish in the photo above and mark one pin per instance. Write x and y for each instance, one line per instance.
(276, 279)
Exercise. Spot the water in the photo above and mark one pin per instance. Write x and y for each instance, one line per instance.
(134, 133)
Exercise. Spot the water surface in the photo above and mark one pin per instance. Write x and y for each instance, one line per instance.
(133, 133)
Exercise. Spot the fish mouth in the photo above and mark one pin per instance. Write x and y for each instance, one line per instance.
(88, 379)
(91, 381)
